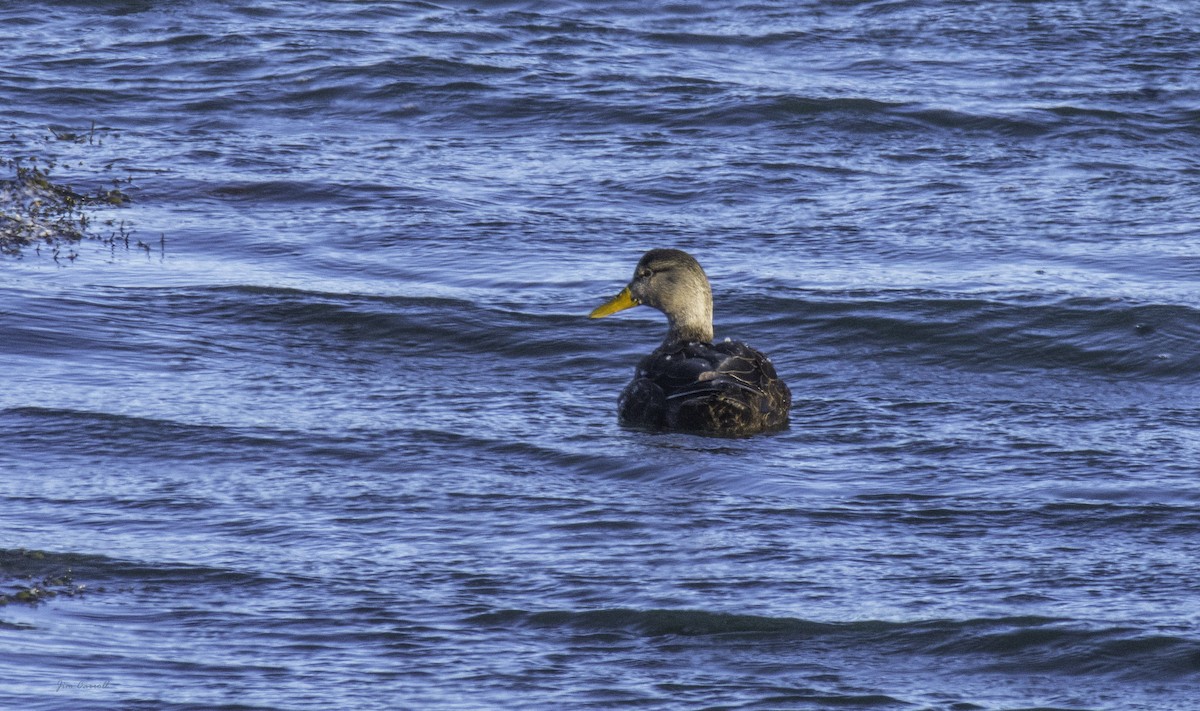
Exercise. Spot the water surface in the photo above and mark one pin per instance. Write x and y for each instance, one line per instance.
(341, 434)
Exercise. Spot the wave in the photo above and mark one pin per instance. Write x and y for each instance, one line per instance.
(93, 572)
(79, 435)
(108, 433)
(1017, 333)
(1012, 644)
(413, 326)
(1116, 338)
(680, 104)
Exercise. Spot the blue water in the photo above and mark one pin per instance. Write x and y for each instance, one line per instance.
(340, 435)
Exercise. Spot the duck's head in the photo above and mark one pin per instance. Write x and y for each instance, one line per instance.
(671, 281)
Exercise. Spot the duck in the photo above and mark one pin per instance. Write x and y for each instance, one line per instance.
(689, 383)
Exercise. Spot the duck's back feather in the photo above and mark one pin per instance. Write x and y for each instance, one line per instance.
(723, 388)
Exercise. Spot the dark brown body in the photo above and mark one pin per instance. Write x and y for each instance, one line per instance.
(724, 388)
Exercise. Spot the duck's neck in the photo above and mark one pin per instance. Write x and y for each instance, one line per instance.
(691, 324)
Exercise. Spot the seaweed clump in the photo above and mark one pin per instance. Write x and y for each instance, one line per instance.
(25, 579)
(36, 211)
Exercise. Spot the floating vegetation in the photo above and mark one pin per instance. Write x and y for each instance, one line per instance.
(39, 212)
(24, 578)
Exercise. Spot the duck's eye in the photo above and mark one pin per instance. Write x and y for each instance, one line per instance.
(645, 273)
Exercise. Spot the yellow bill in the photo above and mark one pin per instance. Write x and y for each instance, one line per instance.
(620, 302)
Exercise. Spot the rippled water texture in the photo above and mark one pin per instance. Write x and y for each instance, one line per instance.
(331, 428)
